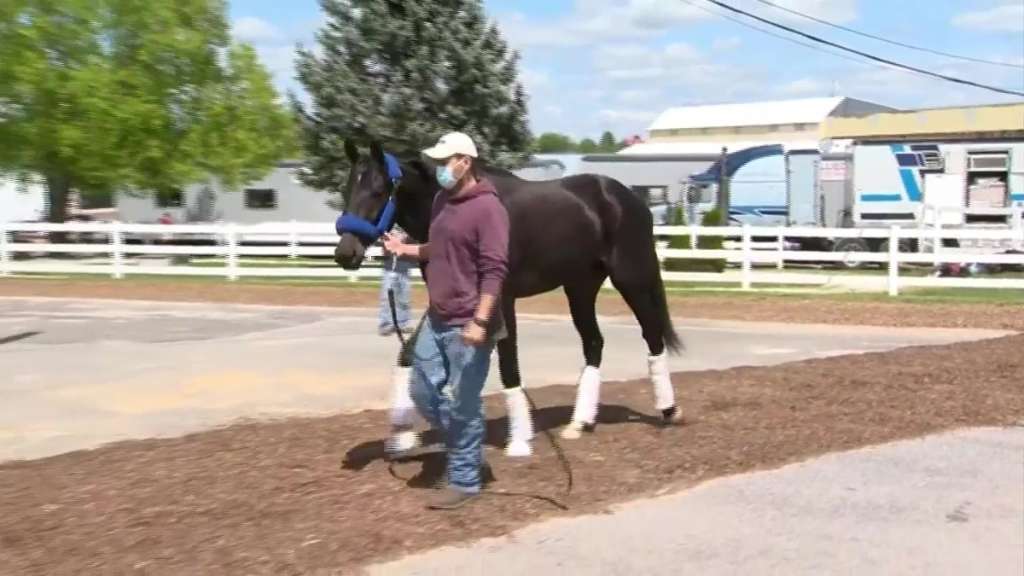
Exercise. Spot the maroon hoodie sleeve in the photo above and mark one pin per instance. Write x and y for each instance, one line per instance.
(493, 246)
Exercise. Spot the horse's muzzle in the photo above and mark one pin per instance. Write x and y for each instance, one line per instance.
(349, 253)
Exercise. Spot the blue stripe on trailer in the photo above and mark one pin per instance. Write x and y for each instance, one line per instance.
(910, 184)
(881, 197)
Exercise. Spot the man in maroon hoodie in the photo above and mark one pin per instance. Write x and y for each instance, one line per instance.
(466, 262)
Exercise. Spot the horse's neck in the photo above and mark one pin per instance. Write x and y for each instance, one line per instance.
(415, 197)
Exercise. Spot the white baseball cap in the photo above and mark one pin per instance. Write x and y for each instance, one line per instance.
(451, 144)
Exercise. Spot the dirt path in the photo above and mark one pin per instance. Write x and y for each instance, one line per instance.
(753, 308)
(301, 496)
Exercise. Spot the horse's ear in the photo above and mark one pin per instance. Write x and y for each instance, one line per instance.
(351, 152)
(377, 153)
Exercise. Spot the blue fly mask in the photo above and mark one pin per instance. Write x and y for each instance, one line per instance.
(372, 231)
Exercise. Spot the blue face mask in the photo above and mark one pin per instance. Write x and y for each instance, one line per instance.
(445, 178)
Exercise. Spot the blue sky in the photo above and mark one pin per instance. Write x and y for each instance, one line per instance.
(591, 65)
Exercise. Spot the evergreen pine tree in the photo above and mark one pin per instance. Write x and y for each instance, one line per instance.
(403, 73)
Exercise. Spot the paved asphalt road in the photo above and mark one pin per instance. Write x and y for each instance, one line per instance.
(80, 373)
(950, 504)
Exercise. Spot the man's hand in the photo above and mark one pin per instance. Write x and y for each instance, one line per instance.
(473, 334)
(394, 243)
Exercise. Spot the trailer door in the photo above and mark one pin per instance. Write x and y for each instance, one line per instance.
(802, 186)
(943, 193)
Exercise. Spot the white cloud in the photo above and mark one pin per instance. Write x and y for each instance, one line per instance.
(255, 30)
(595, 21)
(533, 79)
(907, 90)
(804, 87)
(726, 44)
(630, 116)
(1004, 18)
(836, 11)
(637, 97)
(630, 62)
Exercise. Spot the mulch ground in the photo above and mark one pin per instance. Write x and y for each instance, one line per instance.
(765, 308)
(314, 496)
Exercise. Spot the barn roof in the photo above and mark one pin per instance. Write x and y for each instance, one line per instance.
(802, 111)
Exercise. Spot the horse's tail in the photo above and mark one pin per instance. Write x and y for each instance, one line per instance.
(671, 339)
(639, 228)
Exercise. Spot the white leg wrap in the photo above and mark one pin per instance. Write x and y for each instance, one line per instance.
(403, 414)
(664, 395)
(520, 423)
(403, 411)
(588, 396)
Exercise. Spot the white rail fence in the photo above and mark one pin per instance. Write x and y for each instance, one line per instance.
(120, 249)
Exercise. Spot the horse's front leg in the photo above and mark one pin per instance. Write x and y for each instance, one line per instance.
(520, 422)
(403, 411)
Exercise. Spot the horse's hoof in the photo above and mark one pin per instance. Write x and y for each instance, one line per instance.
(672, 416)
(518, 449)
(402, 442)
(575, 430)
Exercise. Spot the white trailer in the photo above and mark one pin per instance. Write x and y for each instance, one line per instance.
(949, 184)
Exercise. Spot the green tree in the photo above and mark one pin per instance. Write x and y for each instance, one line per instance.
(554, 143)
(587, 146)
(608, 143)
(104, 96)
(404, 73)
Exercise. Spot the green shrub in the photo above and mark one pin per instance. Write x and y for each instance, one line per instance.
(712, 218)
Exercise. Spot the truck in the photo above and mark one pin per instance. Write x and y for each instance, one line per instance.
(771, 185)
(877, 184)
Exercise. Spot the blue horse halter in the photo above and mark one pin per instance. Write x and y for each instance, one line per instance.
(372, 231)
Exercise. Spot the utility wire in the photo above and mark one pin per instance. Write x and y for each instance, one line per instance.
(789, 39)
(865, 54)
(887, 40)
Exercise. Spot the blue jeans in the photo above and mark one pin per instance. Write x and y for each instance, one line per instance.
(447, 379)
(394, 277)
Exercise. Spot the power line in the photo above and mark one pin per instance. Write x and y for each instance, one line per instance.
(865, 54)
(789, 39)
(886, 40)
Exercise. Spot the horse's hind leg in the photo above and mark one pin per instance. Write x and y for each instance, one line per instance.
(582, 305)
(520, 423)
(640, 284)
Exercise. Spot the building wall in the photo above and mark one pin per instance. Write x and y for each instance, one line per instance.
(771, 133)
(20, 202)
(294, 202)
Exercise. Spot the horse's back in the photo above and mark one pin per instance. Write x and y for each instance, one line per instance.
(557, 226)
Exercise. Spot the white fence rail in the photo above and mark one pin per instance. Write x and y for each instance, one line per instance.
(124, 249)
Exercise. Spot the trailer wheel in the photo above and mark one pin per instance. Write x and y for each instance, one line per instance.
(851, 245)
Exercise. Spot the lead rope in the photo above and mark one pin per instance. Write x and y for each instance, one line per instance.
(391, 303)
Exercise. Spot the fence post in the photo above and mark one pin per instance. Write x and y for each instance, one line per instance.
(894, 264)
(117, 250)
(747, 257)
(1018, 226)
(232, 240)
(693, 236)
(781, 264)
(5, 257)
(293, 241)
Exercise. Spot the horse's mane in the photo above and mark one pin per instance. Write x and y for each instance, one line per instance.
(483, 165)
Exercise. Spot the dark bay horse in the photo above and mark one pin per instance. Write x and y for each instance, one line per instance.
(573, 233)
